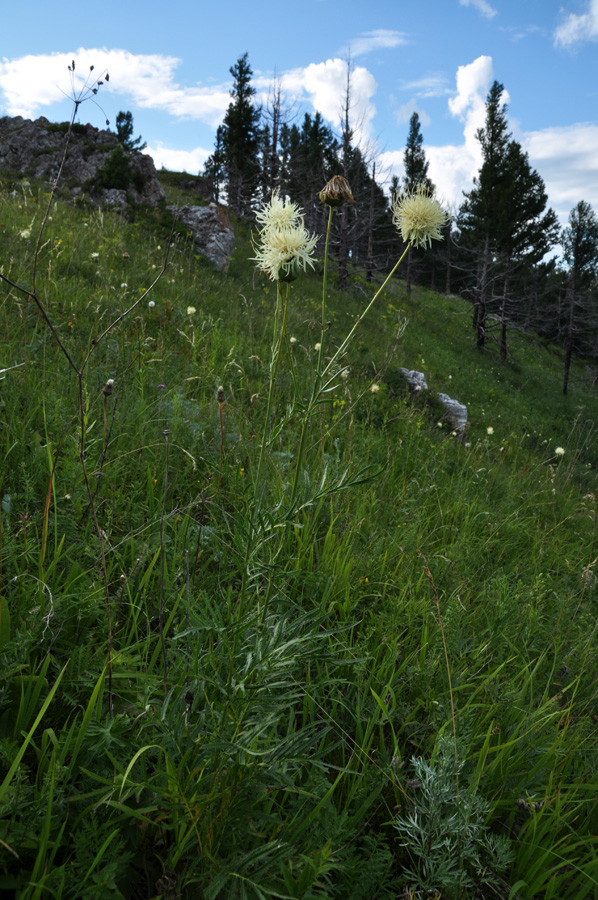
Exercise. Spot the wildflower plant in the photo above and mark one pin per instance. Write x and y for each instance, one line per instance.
(284, 249)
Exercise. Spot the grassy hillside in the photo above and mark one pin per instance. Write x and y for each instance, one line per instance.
(226, 675)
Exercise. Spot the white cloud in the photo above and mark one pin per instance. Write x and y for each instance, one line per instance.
(567, 161)
(564, 157)
(483, 6)
(381, 38)
(582, 27)
(430, 86)
(404, 113)
(32, 82)
(325, 85)
(178, 160)
(469, 104)
(453, 167)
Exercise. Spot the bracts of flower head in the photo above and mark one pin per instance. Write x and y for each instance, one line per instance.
(285, 246)
(336, 191)
(419, 217)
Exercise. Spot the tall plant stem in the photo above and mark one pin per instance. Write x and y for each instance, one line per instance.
(163, 561)
(324, 289)
(282, 303)
(321, 374)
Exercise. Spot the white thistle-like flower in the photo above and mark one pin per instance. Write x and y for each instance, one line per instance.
(285, 244)
(279, 214)
(419, 217)
(490, 430)
(191, 310)
(559, 451)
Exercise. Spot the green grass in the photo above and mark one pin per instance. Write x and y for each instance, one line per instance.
(231, 704)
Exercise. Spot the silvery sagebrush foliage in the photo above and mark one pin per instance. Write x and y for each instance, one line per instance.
(445, 834)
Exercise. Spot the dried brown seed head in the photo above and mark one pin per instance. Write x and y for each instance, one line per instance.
(336, 192)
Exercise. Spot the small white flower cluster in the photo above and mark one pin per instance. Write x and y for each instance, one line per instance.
(285, 245)
(559, 451)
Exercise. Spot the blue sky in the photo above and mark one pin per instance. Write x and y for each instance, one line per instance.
(169, 64)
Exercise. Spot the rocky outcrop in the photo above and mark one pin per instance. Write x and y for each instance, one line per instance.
(213, 235)
(456, 412)
(98, 169)
(35, 150)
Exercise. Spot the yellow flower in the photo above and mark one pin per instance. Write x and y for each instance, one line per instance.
(419, 217)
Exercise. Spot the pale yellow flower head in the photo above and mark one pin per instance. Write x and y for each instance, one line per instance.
(279, 214)
(285, 246)
(419, 217)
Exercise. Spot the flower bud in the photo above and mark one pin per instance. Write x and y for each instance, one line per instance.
(336, 192)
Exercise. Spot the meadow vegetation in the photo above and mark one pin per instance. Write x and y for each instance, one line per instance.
(227, 676)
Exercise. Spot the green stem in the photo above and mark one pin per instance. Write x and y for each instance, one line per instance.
(321, 373)
(281, 309)
(324, 289)
(349, 337)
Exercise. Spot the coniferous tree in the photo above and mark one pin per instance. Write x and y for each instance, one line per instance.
(124, 132)
(240, 142)
(214, 168)
(480, 214)
(503, 223)
(580, 249)
(416, 173)
(414, 158)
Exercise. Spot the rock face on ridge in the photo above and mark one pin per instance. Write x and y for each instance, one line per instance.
(34, 149)
(98, 169)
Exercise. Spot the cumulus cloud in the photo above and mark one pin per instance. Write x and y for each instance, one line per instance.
(469, 103)
(483, 6)
(178, 160)
(32, 82)
(576, 28)
(566, 159)
(325, 85)
(453, 167)
(381, 38)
